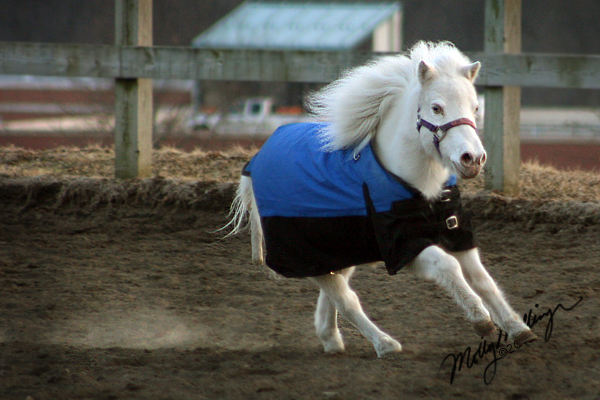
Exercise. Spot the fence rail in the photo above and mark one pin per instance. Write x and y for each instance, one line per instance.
(106, 61)
(133, 62)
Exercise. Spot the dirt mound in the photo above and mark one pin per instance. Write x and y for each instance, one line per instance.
(89, 194)
(492, 206)
(538, 182)
(98, 162)
(83, 178)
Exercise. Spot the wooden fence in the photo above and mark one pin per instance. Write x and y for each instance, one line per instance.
(133, 62)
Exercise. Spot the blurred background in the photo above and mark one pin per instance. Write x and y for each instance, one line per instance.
(40, 112)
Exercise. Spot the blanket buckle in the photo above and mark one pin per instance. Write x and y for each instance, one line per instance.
(446, 195)
(452, 222)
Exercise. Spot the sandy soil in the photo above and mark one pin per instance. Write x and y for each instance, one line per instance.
(145, 301)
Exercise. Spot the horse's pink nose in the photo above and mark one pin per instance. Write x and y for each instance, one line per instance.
(469, 160)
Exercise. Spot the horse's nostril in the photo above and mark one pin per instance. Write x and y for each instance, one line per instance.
(467, 159)
(482, 159)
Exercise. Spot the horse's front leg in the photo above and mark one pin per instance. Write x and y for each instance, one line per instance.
(336, 290)
(483, 284)
(435, 264)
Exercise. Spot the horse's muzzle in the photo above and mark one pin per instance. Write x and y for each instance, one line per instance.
(470, 165)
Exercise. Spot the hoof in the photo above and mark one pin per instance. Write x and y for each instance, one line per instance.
(387, 346)
(525, 337)
(485, 328)
(332, 341)
(334, 347)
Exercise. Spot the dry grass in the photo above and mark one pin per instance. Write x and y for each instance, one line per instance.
(544, 182)
(98, 162)
(538, 182)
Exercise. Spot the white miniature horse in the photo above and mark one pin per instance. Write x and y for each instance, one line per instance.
(378, 105)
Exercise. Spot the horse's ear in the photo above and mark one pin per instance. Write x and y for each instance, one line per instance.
(471, 70)
(426, 72)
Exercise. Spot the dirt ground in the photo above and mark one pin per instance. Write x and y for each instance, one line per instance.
(147, 302)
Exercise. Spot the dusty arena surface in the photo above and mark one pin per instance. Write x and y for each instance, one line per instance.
(126, 290)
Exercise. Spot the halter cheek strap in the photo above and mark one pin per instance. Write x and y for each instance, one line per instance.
(443, 128)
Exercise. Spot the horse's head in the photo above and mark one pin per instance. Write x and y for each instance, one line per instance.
(447, 107)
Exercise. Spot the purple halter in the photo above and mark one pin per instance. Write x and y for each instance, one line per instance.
(443, 128)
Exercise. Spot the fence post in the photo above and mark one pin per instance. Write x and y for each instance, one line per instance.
(133, 108)
(502, 104)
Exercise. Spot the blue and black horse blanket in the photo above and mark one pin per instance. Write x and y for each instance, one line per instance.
(322, 211)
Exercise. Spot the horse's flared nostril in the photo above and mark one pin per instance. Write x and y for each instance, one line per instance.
(481, 160)
(467, 159)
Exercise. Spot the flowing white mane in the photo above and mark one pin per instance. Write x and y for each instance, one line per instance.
(356, 103)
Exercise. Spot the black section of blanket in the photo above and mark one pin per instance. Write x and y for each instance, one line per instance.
(298, 247)
(415, 224)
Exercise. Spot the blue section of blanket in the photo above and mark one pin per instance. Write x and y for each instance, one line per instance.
(293, 176)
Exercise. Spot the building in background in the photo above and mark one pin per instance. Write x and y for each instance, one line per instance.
(306, 26)
(263, 25)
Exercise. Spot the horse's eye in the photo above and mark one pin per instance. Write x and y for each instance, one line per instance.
(477, 109)
(437, 109)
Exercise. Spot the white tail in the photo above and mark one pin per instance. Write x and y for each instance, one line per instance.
(243, 213)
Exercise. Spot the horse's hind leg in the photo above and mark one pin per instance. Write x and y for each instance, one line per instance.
(336, 289)
(326, 320)
(483, 284)
(326, 325)
(433, 263)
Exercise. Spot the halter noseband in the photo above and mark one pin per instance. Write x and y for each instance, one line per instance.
(443, 128)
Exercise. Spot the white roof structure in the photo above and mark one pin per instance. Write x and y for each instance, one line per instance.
(304, 26)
